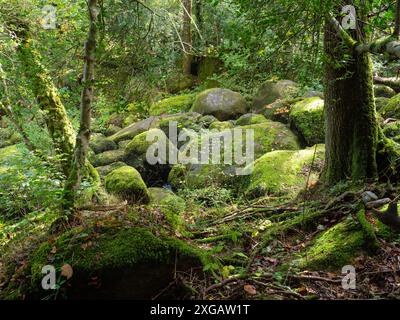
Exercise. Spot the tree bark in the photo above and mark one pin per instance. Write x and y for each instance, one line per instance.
(57, 121)
(351, 125)
(187, 37)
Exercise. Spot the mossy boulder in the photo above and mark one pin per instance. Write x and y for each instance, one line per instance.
(392, 108)
(187, 120)
(271, 135)
(307, 118)
(136, 155)
(224, 104)
(250, 118)
(392, 130)
(114, 262)
(179, 82)
(194, 176)
(134, 129)
(99, 143)
(268, 136)
(111, 129)
(335, 247)
(108, 157)
(277, 110)
(127, 183)
(170, 204)
(221, 125)
(273, 90)
(383, 91)
(380, 103)
(172, 105)
(282, 172)
(206, 121)
(104, 170)
(208, 66)
(312, 94)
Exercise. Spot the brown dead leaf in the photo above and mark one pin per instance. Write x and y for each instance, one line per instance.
(250, 289)
(66, 271)
(53, 250)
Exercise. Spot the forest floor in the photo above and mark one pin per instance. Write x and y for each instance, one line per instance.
(256, 261)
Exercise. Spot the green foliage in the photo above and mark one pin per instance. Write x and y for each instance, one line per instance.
(27, 184)
(209, 196)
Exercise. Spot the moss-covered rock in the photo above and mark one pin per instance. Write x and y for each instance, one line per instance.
(380, 103)
(277, 110)
(221, 125)
(127, 183)
(206, 121)
(250, 118)
(172, 105)
(114, 262)
(134, 129)
(224, 104)
(104, 170)
(307, 118)
(108, 157)
(335, 247)
(111, 129)
(273, 90)
(208, 66)
(271, 135)
(187, 120)
(179, 82)
(268, 136)
(312, 94)
(392, 108)
(282, 172)
(392, 130)
(99, 143)
(383, 91)
(170, 204)
(136, 155)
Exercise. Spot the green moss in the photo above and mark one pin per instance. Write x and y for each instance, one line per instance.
(380, 103)
(383, 91)
(221, 125)
(127, 183)
(104, 170)
(177, 104)
(179, 82)
(208, 66)
(99, 143)
(171, 205)
(307, 118)
(177, 176)
(334, 248)
(108, 157)
(392, 130)
(282, 172)
(392, 108)
(112, 249)
(273, 90)
(250, 118)
(270, 136)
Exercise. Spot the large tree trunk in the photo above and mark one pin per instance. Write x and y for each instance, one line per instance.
(80, 164)
(351, 125)
(187, 37)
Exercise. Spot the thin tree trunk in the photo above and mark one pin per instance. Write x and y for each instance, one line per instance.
(80, 164)
(187, 36)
